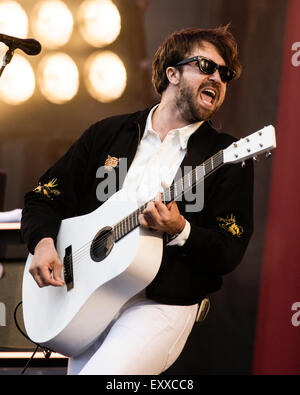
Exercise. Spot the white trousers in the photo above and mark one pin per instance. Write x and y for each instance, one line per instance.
(145, 338)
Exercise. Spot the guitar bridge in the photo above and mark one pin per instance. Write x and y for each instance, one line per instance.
(68, 268)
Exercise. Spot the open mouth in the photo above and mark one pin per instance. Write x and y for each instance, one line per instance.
(208, 96)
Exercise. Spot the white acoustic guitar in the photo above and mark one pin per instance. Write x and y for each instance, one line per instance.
(108, 258)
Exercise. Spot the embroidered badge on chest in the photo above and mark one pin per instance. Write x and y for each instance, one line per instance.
(230, 225)
(111, 162)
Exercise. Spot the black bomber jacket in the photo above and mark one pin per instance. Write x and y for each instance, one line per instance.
(220, 232)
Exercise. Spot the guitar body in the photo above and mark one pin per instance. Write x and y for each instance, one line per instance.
(69, 320)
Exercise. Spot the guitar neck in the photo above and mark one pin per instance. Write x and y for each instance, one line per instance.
(175, 192)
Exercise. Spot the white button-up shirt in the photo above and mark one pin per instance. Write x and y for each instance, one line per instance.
(155, 165)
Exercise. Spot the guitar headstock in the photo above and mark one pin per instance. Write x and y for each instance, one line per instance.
(253, 145)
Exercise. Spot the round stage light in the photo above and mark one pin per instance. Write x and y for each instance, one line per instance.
(13, 22)
(13, 19)
(52, 23)
(17, 83)
(105, 76)
(99, 21)
(58, 78)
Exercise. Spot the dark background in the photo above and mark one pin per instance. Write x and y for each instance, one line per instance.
(36, 133)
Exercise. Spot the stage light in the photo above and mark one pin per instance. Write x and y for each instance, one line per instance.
(105, 76)
(52, 23)
(99, 22)
(58, 78)
(13, 21)
(17, 83)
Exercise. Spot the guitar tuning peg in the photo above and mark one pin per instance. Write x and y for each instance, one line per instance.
(268, 154)
(256, 158)
(243, 164)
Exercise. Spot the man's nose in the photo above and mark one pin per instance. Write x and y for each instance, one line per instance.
(216, 77)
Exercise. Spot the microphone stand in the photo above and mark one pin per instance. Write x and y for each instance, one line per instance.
(6, 59)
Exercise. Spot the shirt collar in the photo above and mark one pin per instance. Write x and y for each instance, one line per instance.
(184, 133)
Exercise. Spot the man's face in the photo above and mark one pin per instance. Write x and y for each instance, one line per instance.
(193, 100)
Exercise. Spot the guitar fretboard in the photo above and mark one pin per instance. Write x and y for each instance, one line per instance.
(175, 192)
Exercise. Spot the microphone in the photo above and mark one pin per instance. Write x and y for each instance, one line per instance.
(28, 45)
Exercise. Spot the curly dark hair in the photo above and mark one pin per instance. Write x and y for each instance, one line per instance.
(179, 45)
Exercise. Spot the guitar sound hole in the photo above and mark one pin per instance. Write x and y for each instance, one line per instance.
(102, 244)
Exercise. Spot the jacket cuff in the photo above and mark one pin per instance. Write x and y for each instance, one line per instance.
(180, 238)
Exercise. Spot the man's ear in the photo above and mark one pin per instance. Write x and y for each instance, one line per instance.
(173, 75)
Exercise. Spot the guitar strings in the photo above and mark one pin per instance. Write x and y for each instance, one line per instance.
(83, 249)
(217, 156)
(192, 175)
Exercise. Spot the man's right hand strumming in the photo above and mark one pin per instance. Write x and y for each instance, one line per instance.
(46, 267)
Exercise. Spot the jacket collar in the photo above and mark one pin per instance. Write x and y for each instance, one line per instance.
(200, 143)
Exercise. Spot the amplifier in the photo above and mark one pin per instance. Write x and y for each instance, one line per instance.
(13, 254)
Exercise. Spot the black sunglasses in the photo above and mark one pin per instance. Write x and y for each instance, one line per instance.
(207, 66)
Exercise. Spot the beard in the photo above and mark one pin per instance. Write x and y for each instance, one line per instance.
(189, 106)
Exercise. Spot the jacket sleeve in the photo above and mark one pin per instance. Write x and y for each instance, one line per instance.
(221, 232)
(57, 194)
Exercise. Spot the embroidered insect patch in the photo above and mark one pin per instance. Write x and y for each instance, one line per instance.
(48, 189)
(111, 162)
(229, 224)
